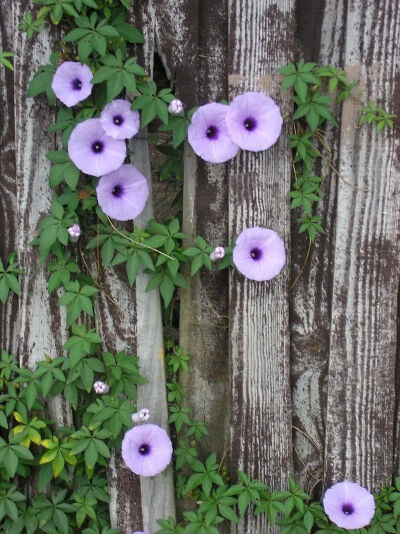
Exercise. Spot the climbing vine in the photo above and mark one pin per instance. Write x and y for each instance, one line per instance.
(100, 387)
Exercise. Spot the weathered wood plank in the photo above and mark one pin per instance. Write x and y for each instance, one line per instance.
(157, 492)
(361, 387)
(42, 326)
(260, 40)
(137, 502)
(185, 47)
(8, 190)
(311, 296)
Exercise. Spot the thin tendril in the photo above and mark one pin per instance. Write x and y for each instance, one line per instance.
(138, 242)
(303, 266)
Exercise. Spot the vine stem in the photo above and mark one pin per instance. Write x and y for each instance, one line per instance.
(138, 243)
(303, 266)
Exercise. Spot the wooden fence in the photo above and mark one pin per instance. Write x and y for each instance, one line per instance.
(305, 380)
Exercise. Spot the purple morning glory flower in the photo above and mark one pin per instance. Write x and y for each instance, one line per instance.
(72, 82)
(122, 194)
(208, 134)
(259, 253)
(254, 121)
(146, 450)
(349, 505)
(94, 152)
(119, 121)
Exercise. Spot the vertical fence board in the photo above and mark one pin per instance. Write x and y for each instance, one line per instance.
(204, 306)
(42, 325)
(312, 291)
(261, 40)
(8, 186)
(361, 387)
(137, 502)
(159, 490)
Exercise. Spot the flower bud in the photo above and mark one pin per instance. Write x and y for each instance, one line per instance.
(175, 106)
(217, 254)
(100, 387)
(142, 416)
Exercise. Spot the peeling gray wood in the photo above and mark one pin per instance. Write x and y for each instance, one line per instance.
(260, 41)
(312, 294)
(8, 189)
(42, 326)
(362, 366)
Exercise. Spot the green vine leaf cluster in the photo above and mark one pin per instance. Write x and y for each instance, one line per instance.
(71, 461)
(9, 274)
(316, 93)
(6, 62)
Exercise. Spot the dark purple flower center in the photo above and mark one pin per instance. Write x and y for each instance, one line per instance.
(77, 84)
(144, 449)
(212, 132)
(347, 508)
(256, 253)
(118, 120)
(250, 123)
(117, 191)
(97, 147)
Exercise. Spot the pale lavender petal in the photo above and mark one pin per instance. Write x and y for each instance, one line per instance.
(146, 450)
(349, 505)
(208, 135)
(259, 253)
(122, 194)
(254, 121)
(72, 82)
(94, 152)
(119, 121)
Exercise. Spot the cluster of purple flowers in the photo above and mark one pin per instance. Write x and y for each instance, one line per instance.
(97, 146)
(252, 121)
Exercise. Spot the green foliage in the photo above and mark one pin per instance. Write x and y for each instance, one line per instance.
(5, 61)
(203, 481)
(9, 273)
(311, 84)
(377, 116)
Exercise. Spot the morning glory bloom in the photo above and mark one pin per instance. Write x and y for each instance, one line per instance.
(349, 505)
(259, 253)
(175, 106)
(146, 450)
(72, 82)
(122, 194)
(208, 135)
(94, 152)
(119, 121)
(254, 121)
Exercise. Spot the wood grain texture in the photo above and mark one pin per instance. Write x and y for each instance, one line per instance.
(361, 383)
(157, 492)
(8, 186)
(311, 296)
(204, 306)
(260, 41)
(42, 327)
